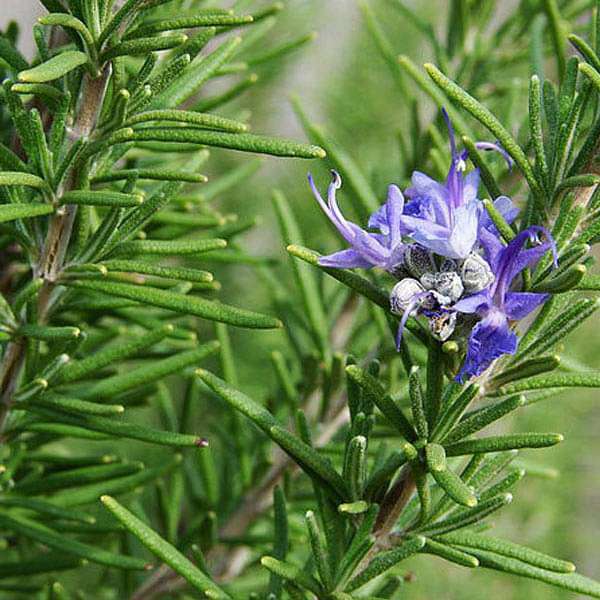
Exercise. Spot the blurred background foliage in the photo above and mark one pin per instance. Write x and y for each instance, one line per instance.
(344, 84)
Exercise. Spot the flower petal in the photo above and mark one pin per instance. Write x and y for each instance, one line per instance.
(518, 305)
(464, 231)
(470, 186)
(489, 339)
(473, 303)
(345, 259)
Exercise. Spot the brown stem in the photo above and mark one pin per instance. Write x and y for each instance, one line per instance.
(57, 240)
(61, 225)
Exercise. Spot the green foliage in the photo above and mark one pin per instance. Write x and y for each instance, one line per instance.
(121, 368)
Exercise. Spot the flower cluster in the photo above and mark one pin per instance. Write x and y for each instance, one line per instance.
(450, 261)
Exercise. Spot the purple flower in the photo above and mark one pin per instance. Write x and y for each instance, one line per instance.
(383, 249)
(445, 217)
(497, 305)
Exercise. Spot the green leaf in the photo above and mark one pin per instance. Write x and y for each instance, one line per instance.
(86, 494)
(386, 560)
(114, 354)
(120, 16)
(261, 417)
(487, 119)
(535, 128)
(154, 371)
(118, 428)
(557, 328)
(245, 142)
(228, 95)
(76, 477)
(56, 67)
(504, 442)
(18, 178)
(483, 417)
(355, 467)
(310, 460)
(449, 553)
(527, 368)
(101, 198)
(509, 549)
(42, 332)
(563, 282)
(503, 485)
(10, 212)
(188, 22)
(174, 301)
(64, 430)
(143, 46)
(163, 550)
(591, 73)
(11, 55)
(280, 535)
(452, 410)
(193, 76)
(306, 456)
(176, 247)
(554, 380)
(150, 174)
(557, 34)
(571, 581)
(585, 50)
(319, 551)
(380, 477)
(44, 535)
(203, 120)
(70, 22)
(292, 573)
(417, 403)
(148, 268)
(75, 406)
(451, 483)
(46, 508)
(590, 283)
(375, 392)
(464, 518)
(43, 563)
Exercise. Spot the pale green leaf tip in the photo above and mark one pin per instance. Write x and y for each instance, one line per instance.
(472, 501)
(265, 561)
(450, 347)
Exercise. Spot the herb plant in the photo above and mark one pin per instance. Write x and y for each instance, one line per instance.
(401, 357)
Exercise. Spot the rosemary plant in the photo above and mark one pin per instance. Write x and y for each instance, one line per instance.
(131, 464)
